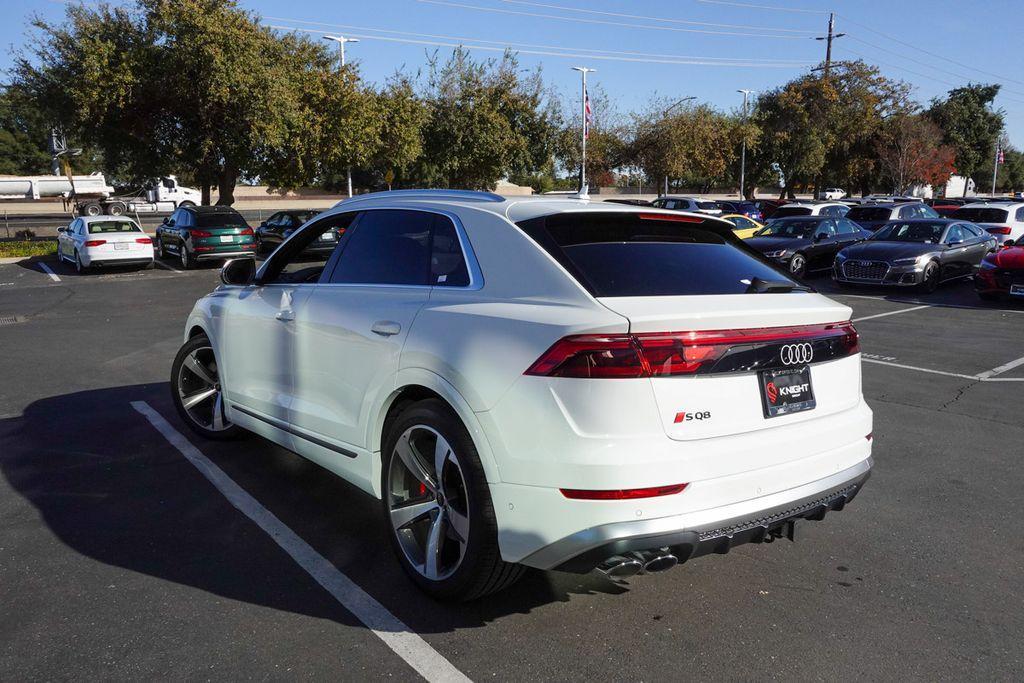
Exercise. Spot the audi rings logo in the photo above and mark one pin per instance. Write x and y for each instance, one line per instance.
(796, 354)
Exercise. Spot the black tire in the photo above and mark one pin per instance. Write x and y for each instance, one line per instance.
(987, 296)
(79, 268)
(481, 570)
(92, 209)
(198, 343)
(161, 253)
(185, 203)
(930, 278)
(798, 265)
(116, 209)
(188, 261)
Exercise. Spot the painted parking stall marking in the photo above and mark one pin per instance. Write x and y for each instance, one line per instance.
(416, 652)
(882, 315)
(46, 269)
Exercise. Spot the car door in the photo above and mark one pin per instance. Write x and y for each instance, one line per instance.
(954, 255)
(63, 237)
(266, 230)
(823, 246)
(352, 329)
(977, 247)
(847, 233)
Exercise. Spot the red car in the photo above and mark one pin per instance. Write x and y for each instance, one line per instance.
(1002, 273)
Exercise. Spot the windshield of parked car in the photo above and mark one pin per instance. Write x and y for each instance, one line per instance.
(220, 220)
(869, 213)
(981, 215)
(910, 232)
(780, 227)
(624, 254)
(784, 211)
(113, 226)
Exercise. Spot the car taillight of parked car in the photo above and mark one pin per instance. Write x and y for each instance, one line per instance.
(246, 231)
(143, 240)
(95, 243)
(1000, 230)
(200, 233)
(664, 354)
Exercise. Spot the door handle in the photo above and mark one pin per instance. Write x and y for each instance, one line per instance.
(386, 328)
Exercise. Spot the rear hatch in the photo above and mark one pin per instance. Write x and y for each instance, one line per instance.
(222, 231)
(118, 238)
(729, 342)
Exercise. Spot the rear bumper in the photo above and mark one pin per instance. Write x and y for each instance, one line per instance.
(692, 535)
(139, 260)
(234, 253)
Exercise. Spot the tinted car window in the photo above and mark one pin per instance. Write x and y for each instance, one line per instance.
(981, 215)
(780, 227)
(784, 211)
(303, 258)
(1020, 214)
(447, 264)
(388, 247)
(97, 227)
(973, 229)
(847, 227)
(709, 206)
(869, 213)
(225, 219)
(826, 229)
(898, 231)
(625, 255)
(955, 234)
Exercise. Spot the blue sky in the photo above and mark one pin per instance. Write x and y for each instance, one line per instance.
(912, 40)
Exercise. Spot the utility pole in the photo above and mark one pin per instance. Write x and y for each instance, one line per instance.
(665, 114)
(832, 35)
(743, 148)
(583, 111)
(995, 167)
(341, 40)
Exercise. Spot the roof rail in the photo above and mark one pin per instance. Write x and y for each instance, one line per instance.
(468, 195)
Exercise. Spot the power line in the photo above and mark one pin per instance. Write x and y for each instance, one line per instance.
(640, 16)
(617, 24)
(768, 7)
(326, 25)
(546, 53)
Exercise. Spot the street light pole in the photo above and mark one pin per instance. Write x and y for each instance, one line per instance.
(743, 148)
(341, 40)
(664, 114)
(583, 111)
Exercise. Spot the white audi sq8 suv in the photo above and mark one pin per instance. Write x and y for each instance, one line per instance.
(539, 382)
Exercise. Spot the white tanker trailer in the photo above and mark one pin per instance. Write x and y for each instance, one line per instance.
(90, 195)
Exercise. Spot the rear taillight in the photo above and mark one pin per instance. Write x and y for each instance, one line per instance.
(999, 230)
(245, 231)
(623, 494)
(143, 240)
(661, 354)
(95, 243)
(200, 233)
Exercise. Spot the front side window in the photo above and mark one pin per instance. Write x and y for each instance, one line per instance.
(302, 258)
(847, 227)
(826, 230)
(955, 234)
(387, 247)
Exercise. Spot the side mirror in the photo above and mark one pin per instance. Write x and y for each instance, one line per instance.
(239, 272)
(1009, 243)
(62, 229)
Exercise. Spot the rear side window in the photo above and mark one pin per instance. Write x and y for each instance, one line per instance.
(980, 215)
(784, 211)
(1020, 214)
(447, 264)
(621, 254)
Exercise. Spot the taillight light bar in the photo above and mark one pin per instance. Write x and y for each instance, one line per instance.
(661, 354)
(245, 231)
(143, 240)
(1000, 230)
(623, 494)
(200, 233)
(95, 243)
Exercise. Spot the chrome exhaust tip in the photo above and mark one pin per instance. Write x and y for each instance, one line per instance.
(620, 567)
(660, 563)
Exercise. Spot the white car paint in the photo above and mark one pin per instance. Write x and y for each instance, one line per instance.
(832, 193)
(306, 356)
(837, 209)
(82, 240)
(1014, 221)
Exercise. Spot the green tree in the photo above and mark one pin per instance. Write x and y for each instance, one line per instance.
(910, 152)
(23, 136)
(971, 127)
(690, 144)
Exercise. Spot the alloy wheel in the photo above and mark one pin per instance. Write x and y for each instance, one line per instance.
(428, 503)
(200, 391)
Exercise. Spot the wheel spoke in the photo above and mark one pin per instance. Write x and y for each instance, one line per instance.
(200, 370)
(194, 399)
(414, 462)
(218, 412)
(459, 524)
(402, 517)
(435, 543)
(441, 452)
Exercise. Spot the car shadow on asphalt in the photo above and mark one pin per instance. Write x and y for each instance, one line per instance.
(955, 294)
(111, 488)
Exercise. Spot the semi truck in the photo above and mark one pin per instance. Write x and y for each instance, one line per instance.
(90, 195)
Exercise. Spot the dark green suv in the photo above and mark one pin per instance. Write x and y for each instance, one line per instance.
(199, 233)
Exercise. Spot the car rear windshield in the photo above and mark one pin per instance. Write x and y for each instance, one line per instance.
(982, 215)
(869, 213)
(220, 220)
(624, 254)
(113, 226)
(709, 206)
(910, 232)
(784, 211)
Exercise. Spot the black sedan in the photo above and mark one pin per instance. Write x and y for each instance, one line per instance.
(915, 253)
(804, 244)
(279, 226)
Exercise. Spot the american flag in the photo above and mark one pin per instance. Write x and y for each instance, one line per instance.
(1000, 157)
(588, 115)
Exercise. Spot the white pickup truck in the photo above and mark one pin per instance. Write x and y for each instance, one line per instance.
(90, 195)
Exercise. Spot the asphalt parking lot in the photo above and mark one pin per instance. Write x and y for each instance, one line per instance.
(123, 555)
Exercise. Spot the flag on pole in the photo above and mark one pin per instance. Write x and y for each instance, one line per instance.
(588, 115)
(1000, 157)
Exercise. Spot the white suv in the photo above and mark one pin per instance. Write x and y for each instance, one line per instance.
(1005, 220)
(538, 382)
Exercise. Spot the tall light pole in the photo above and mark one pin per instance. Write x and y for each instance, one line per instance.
(743, 148)
(665, 113)
(341, 40)
(583, 111)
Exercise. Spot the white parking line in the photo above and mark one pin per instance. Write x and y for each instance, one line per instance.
(46, 269)
(416, 652)
(982, 377)
(1002, 368)
(882, 315)
(918, 301)
(164, 265)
